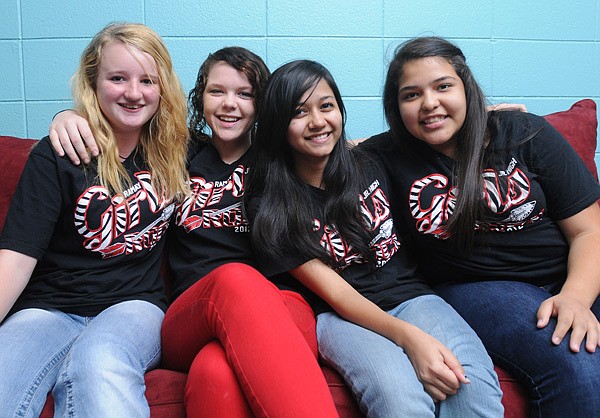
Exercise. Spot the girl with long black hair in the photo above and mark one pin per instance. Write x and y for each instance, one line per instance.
(321, 224)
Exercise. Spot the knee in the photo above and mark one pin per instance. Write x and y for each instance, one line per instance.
(234, 272)
(210, 377)
(211, 366)
(97, 360)
(397, 400)
(578, 372)
(102, 362)
(237, 278)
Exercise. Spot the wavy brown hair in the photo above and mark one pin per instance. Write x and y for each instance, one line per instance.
(238, 58)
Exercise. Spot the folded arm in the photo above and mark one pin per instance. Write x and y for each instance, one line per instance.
(436, 367)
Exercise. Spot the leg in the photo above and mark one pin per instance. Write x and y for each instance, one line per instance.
(480, 398)
(304, 318)
(274, 366)
(561, 383)
(378, 372)
(34, 344)
(103, 375)
(212, 390)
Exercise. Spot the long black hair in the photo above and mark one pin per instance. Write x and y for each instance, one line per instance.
(237, 57)
(285, 210)
(470, 139)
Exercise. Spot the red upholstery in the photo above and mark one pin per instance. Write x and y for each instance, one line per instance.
(579, 125)
(165, 388)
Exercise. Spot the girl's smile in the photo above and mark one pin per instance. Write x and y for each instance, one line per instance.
(432, 102)
(317, 124)
(127, 88)
(229, 108)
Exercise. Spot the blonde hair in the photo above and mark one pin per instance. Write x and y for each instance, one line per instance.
(164, 138)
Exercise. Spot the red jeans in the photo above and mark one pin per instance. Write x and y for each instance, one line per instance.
(267, 356)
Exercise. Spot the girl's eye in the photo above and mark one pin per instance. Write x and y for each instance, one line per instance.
(299, 112)
(327, 106)
(147, 81)
(246, 95)
(215, 91)
(116, 78)
(444, 86)
(409, 96)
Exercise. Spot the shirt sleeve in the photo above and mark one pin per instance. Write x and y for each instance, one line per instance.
(35, 205)
(568, 185)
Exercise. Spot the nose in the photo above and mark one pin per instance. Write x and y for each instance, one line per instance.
(133, 91)
(229, 101)
(430, 101)
(317, 121)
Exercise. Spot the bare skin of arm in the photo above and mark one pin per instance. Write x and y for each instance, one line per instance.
(571, 306)
(15, 271)
(436, 367)
(70, 134)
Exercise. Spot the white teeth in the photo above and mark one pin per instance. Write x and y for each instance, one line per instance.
(434, 120)
(131, 106)
(318, 137)
(228, 119)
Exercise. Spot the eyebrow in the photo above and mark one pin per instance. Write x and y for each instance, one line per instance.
(120, 71)
(437, 80)
(223, 86)
(321, 99)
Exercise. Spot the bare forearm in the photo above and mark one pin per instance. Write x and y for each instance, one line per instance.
(583, 278)
(351, 305)
(582, 231)
(15, 271)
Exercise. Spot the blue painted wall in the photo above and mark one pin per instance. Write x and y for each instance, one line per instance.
(545, 54)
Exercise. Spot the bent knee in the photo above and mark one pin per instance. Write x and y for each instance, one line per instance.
(237, 278)
(211, 367)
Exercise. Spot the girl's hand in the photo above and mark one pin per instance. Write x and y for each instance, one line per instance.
(572, 315)
(507, 106)
(436, 367)
(70, 134)
(572, 305)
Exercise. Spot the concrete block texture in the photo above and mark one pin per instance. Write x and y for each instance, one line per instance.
(544, 54)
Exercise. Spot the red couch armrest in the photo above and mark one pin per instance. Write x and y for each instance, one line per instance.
(13, 154)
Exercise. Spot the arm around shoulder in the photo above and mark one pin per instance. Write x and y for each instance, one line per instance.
(70, 134)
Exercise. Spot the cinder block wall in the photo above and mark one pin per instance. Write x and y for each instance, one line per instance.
(544, 54)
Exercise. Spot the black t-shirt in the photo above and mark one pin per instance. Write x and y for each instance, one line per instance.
(532, 178)
(387, 282)
(93, 250)
(210, 227)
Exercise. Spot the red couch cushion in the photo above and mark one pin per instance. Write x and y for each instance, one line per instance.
(13, 154)
(579, 126)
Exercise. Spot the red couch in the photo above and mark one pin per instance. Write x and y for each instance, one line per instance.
(165, 387)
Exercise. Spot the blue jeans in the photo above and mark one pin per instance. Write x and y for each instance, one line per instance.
(94, 366)
(561, 383)
(382, 377)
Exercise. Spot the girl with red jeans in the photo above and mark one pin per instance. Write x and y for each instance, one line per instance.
(250, 348)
